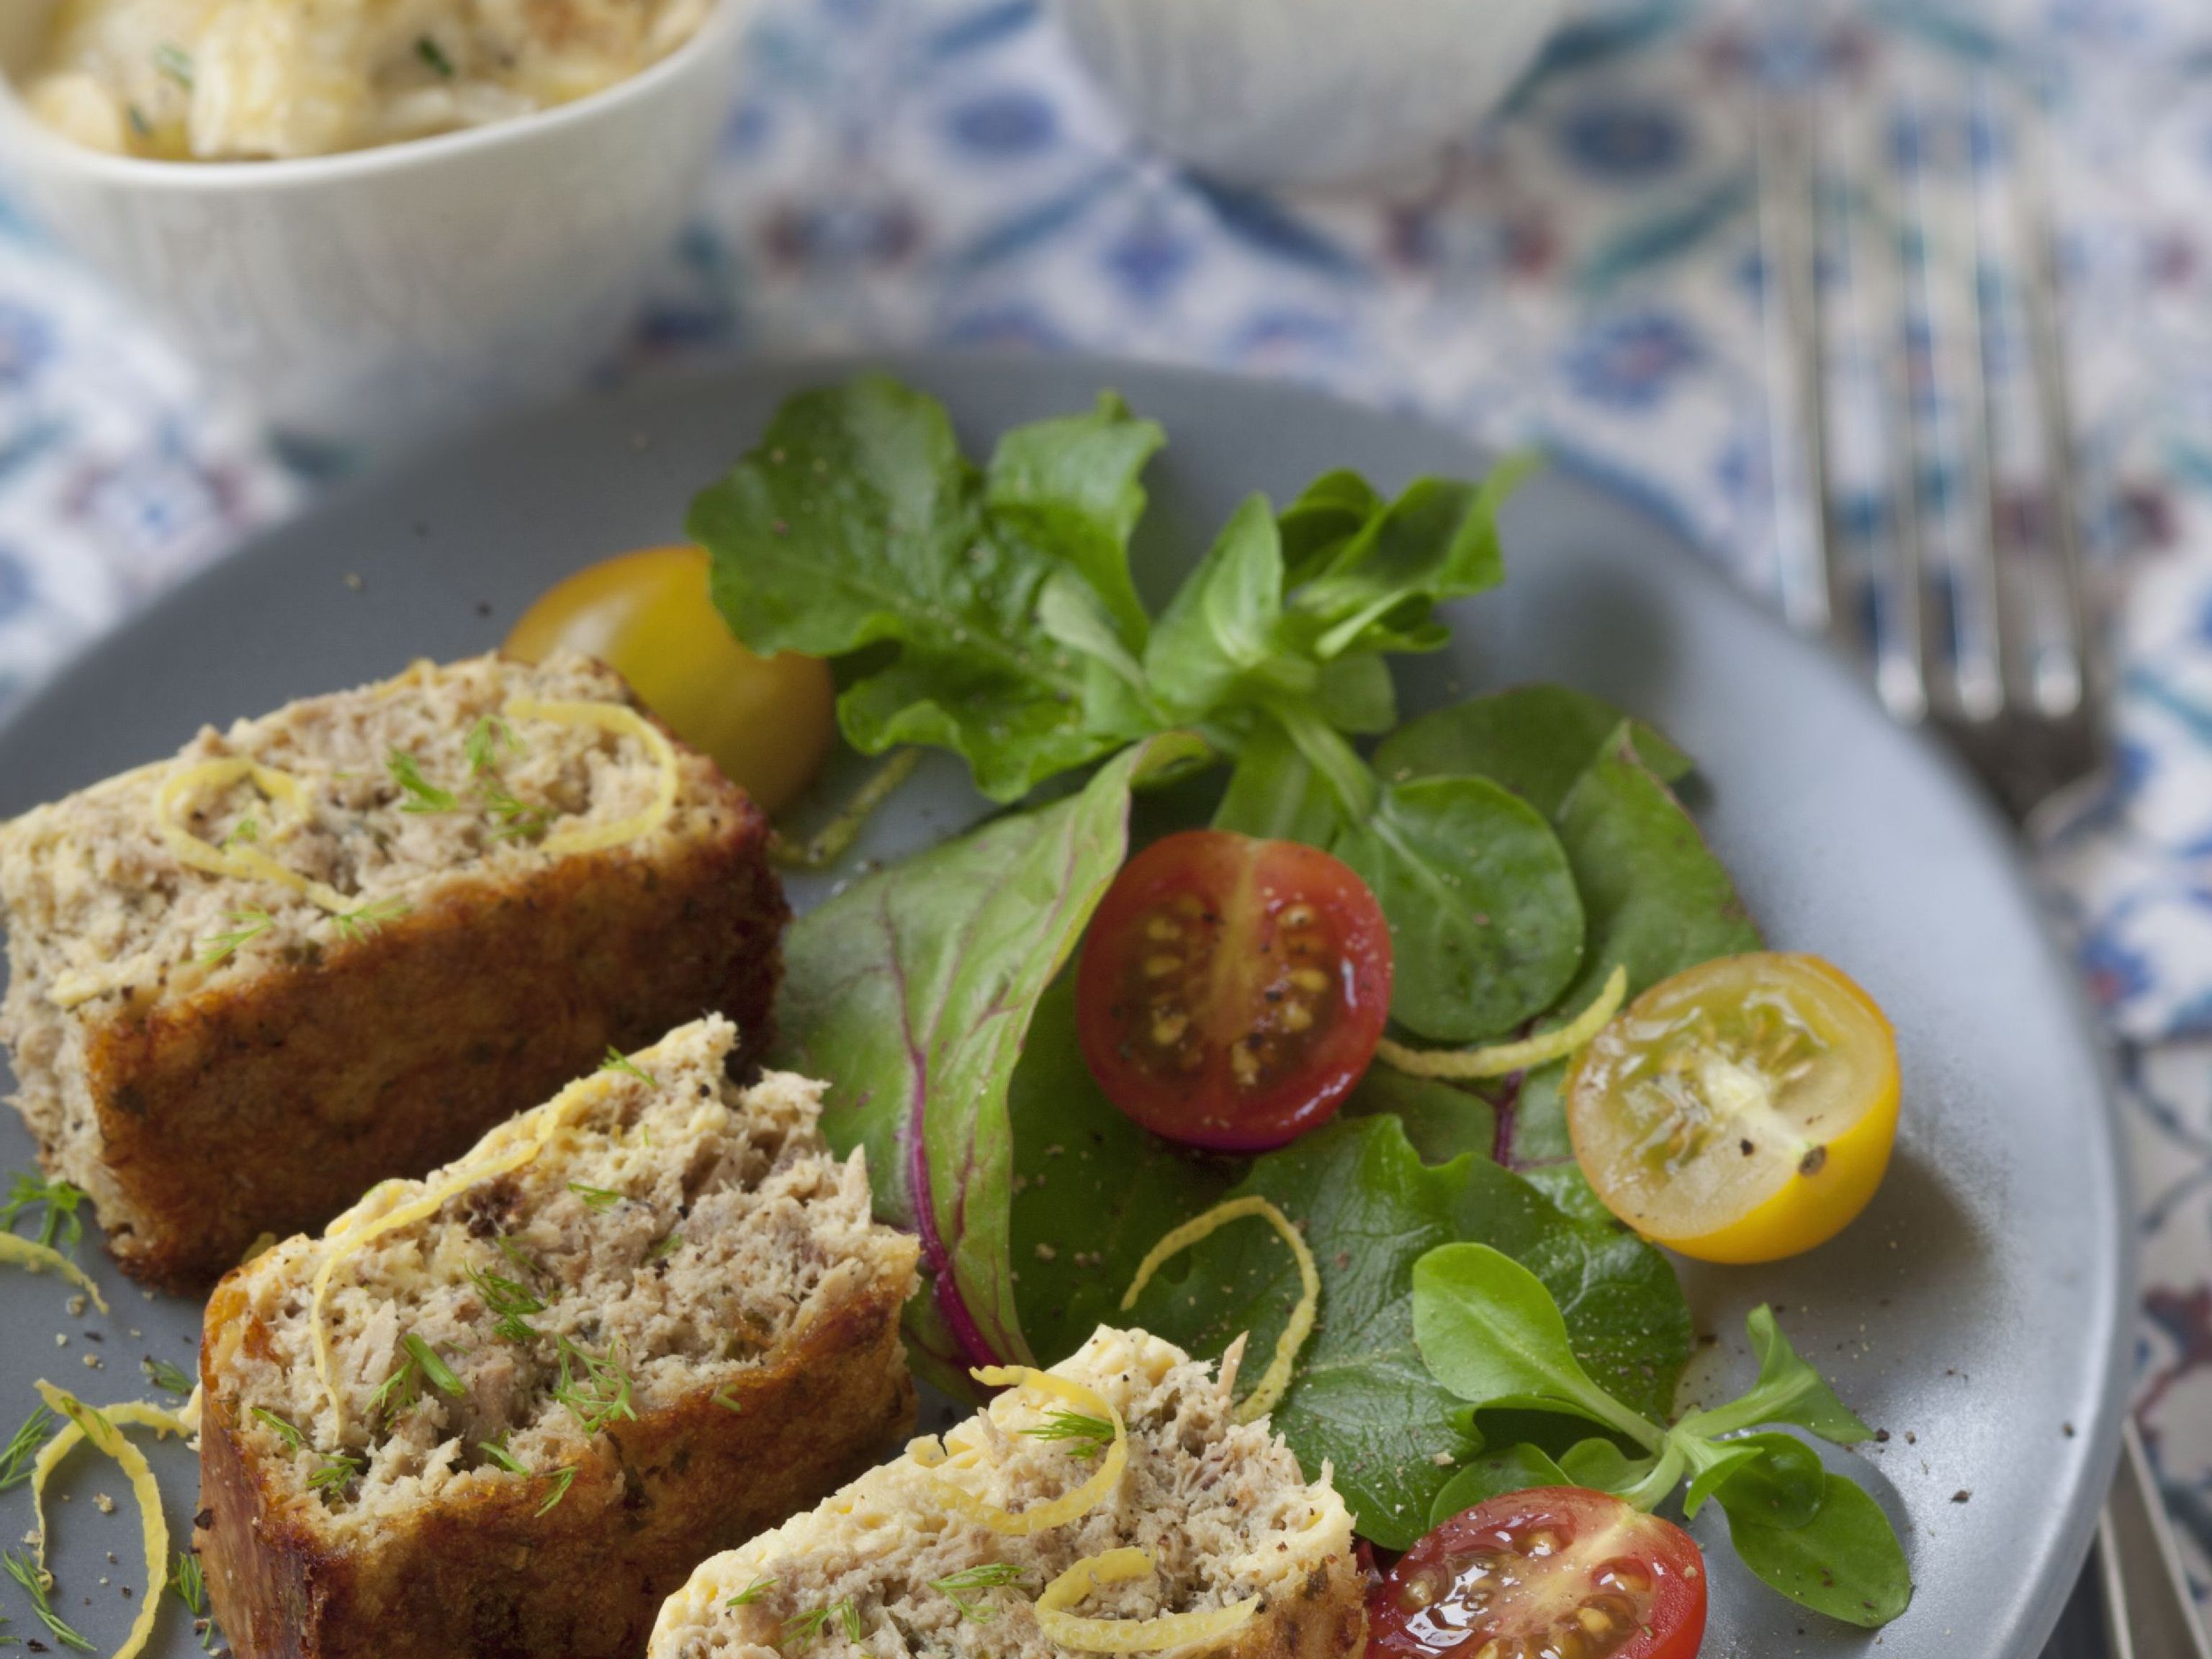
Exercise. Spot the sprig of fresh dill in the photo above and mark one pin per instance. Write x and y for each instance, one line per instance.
(594, 1387)
(722, 1399)
(422, 795)
(247, 830)
(490, 735)
(562, 1479)
(175, 62)
(523, 1263)
(188, 1583)
(286, 1431)
(433, 1366)
(336, 1471)
(618, 1061)
(511, 1301)
(167, 1376)
(665, 1248)
(752, 1592)
(252, 925)
(360, 924)
(434, 55)
(38, 1585)
(807, 1626)
(992, 1575)
(515, 818)
(28, 1190)
(599, 1198)
(1091, 1434)
(22, 1447)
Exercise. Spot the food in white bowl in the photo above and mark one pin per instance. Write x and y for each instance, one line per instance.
(1307, 92)
(370, 301)
(252, 80)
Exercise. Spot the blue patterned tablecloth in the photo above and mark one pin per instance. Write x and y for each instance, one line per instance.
(1585, 273)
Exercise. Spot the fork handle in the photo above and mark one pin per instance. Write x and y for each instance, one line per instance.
(2148, 1611)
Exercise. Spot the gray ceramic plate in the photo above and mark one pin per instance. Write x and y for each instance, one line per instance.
(1975, 1312)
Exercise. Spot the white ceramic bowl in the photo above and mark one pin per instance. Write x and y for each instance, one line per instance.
(1307, 92)
(371, 300)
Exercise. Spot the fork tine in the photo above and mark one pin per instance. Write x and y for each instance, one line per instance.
(1788, 185)
(1989, 626)
(1881, 255)
(2065, 677)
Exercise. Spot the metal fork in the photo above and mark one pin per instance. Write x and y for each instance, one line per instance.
(1967, 594)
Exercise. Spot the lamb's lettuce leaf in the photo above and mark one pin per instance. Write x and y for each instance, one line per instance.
(913, 992)
(1537, 740)
(856, 522)
(1486, 925)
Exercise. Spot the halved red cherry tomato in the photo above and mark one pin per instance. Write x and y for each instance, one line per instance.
(1560, 1572)
(1232, 991)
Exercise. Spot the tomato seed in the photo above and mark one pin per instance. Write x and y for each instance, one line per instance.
(1163, 928)
(1160, 966)
(1298, 915)
(1310, 980)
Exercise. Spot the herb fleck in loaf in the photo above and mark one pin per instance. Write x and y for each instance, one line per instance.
(885, 1567)
(375, 924)
(631, 1328)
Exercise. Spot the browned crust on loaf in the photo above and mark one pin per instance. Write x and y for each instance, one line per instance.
(271, 1103)
(487, 1577)
(1325, 1617)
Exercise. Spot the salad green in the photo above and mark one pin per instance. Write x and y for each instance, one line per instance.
(1490, 1332)
(1521, 844)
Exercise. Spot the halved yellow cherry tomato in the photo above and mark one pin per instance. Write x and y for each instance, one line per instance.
(768, 722)
(1741, 1111)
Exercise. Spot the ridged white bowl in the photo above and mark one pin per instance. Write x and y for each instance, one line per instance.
(1306, 91)
(371, 300)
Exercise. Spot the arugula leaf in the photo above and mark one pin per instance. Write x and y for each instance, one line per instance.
(1275, 793)
(914, 990)
(1493, 1474)
(1220, 637)
(1844, 1561)
(1537, 740)
(1491, 1333)
(857, 522)
(1378, 589)
(1070, 486)
(1328, 513)
(1788, 1391)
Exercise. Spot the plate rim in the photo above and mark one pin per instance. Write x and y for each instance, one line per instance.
(1673, 549)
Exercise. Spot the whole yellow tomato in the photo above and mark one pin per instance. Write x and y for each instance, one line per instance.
(1742, 1111)
(768, 722)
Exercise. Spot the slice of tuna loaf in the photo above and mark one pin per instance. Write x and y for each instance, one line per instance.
(339, 942)
(504, 1410)
(1113, 1505)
